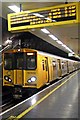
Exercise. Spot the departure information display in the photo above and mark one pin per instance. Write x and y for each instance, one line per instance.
(52, 15)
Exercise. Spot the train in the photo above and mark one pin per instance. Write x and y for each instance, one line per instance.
(29, 69)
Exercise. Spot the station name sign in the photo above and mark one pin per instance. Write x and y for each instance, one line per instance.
(63, 14)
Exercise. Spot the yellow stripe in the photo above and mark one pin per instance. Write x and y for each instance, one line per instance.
(38, 102)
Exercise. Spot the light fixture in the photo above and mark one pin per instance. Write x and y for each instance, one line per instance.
(29, 81)
(59, 42)
(64, 45)
(7, 79)
(14, 8)
(30, 53)
(38, 15)
(10, 80)
(67, 48)
(45, 31)
(8, 41)
(53, 37)
(4, 48)
(32, 79)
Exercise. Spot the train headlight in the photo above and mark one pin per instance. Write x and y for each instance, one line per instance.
(32, 79)
(6, 77)
(29, 81)
(10, 80)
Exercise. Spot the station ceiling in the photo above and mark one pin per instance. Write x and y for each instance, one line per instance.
(68, 34)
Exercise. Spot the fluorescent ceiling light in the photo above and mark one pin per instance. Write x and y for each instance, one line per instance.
(70, 50)
(64, 45)
(45, 31)
(53, 37)
(14, 8)
(67, 48)
(8, 41)
(59, 42)
(4, 48)
(38, 15)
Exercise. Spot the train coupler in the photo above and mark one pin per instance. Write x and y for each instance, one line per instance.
(17, 92)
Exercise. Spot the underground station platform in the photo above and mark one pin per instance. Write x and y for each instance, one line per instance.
(59, 100)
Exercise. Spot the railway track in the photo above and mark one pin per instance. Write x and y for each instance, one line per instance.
(10, 102)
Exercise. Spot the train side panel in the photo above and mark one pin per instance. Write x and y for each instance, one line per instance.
(59, 68)
(70, 65)
(42, 66)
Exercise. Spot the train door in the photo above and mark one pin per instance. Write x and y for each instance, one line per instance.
(67, 67)
(54, 69)
(59, 67)
(19, 69)
(46, 69)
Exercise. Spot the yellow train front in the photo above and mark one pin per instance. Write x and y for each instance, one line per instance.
(28, 69)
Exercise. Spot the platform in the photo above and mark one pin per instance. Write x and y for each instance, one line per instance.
(57, 101)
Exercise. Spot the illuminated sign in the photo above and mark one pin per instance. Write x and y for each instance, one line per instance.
(42, 17)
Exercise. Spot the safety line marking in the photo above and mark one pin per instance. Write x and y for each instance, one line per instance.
(38, 102)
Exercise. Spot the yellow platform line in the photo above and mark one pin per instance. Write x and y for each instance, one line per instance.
(38, 102)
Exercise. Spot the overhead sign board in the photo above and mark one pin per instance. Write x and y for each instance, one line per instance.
(63, 14)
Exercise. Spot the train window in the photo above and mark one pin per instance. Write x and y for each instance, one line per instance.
(43, 65)
(19, 60)
(54, 63)
(19, 63)
(46, 65)
(31, 61)
(62, 65)
(8, 61)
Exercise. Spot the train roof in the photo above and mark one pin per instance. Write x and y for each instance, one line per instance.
(55, 56)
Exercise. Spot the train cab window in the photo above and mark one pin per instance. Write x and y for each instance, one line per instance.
(31, 61)
(8, 61)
